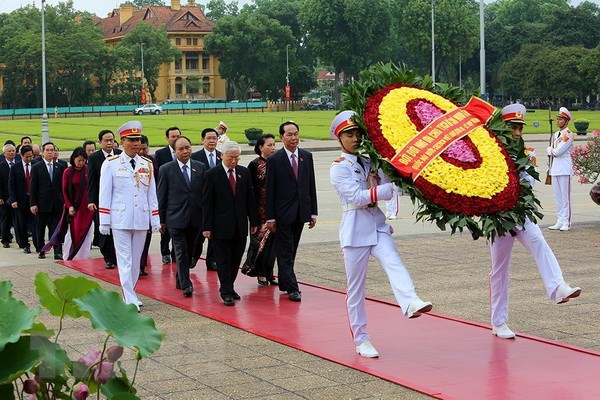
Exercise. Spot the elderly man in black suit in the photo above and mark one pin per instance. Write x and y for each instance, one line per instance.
(19, 184)
(6, 212)
(229, 204)
(291, 202)
(211, 157)
(105, 242)
(46, 197)
(161, 157)
(179, 193)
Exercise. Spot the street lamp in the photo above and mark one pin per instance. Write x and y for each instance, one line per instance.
(45, 132)
(143, 89)
(287, 76)
(432, 41)
(481, 52)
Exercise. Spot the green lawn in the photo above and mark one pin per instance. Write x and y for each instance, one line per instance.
(69, 133)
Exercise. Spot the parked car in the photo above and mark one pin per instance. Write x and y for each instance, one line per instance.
(148, 109)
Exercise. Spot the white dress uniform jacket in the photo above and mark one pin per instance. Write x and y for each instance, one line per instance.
(562, 146)
(360, 222)
(127, 196)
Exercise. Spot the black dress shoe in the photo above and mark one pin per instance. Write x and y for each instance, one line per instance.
(26, 250)
(58, 256)
(193, 263)
(6, 245)
(166, 259)
(228, 301)
(42, 255)
(263, 283)
(295, 296)
(110, 265)
(273, 282)
(143, 273)
(188, 291)
(211, 266)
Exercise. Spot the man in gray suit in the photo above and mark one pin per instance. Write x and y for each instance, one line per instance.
(180, 186)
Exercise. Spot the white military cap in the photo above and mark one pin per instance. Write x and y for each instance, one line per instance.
(564, 113)
(342, 122)
(514, 113)
(131, 129)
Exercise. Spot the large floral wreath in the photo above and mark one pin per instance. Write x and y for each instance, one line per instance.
(473, 183)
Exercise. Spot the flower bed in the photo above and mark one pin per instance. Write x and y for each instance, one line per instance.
(586, 160)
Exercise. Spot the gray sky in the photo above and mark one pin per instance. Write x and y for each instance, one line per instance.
(99, 7)
(103, 7)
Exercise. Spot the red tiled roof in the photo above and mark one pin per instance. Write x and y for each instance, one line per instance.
(328, 76)
(174, 20)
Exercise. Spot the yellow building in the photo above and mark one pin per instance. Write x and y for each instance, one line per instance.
(186, 27)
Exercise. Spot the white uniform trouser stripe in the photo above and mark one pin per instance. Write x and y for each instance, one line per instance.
(356, 262)
(129, 245)
(501, 250)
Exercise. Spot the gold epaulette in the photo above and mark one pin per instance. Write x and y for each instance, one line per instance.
(150, 165)
(113, 157)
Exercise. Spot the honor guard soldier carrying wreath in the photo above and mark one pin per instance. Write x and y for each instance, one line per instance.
(561, 169)
(363, 231)
(128, 205)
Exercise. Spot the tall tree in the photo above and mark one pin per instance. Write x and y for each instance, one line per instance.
(248, 57)
(157, 51)
(347, 34)
(217, 9)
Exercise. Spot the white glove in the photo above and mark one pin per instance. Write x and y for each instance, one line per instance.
(155, 228)
(398, 189)
(104, 229)
(549, 150)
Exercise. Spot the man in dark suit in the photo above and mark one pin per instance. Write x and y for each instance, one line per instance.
(228, 203)
(17, 156)
(211, 157)
(179, 194)
(19, 182)
(46, 197)
(56, 158)
(6, 212)
(163, 156)
(105, 242)
(291, 202)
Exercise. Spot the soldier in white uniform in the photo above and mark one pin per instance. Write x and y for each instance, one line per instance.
(363, 232)
(128, 205)
(223, 138)
(561, 169)
(534, 242)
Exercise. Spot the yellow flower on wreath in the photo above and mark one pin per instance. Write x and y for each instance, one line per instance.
(397, 128)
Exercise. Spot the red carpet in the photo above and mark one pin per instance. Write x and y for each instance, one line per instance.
(435, 355)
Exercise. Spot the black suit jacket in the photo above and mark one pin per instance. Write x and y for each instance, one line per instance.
(288, 197)
(4, 171)
(95, 161)
(47, 194)
(163, 156)
(200, 155)
(180, 205)
(16, 186)
(3, 157)
(225, 214)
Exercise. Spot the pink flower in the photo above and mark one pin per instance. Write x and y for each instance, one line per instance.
(91, 357)
(102, 372)
(81, 391)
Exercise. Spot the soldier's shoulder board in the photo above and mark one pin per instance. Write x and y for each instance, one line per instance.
(339, 159)
(113, 157)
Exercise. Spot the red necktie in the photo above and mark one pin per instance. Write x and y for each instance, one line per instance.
(232, 181)
(27, 178)
(295, 165)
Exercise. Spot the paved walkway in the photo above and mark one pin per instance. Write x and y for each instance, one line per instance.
(204, 359)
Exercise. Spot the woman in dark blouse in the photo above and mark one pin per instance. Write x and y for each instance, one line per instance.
(261, 252)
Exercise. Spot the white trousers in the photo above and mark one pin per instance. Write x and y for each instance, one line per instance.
(561, 185)
(534, 242)
(391, 206)
(129, 244)
(355, 262)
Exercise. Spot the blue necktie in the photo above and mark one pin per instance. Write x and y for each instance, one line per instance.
(211, 161)
(186, 177)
